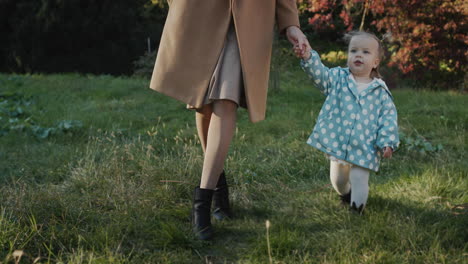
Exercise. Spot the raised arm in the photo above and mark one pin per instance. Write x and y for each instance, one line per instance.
(321, 74)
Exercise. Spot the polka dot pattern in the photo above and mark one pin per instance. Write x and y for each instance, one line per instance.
(352, 126)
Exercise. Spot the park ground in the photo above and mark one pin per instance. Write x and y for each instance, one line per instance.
(101, 169)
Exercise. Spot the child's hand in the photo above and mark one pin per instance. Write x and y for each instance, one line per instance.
(302, 52)
(388, 151)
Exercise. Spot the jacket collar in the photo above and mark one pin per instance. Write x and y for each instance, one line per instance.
(376, 83)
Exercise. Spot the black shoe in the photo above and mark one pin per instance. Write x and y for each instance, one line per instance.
(221, 208)
(201, 217)
(346, 199)
(357, 209)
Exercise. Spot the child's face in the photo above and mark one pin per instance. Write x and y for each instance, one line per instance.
(363, 55)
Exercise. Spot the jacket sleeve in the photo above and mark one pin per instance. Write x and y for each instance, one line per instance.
(387, 134)
(321, 74)
(286, 14)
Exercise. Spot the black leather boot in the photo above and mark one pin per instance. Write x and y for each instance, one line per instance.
(221, 208)
(201, 215)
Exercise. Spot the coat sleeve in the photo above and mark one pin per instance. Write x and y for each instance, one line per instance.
(286, 14)
(321, 74)
(387, 134)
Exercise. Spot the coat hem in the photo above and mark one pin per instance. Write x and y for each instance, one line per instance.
(343, 158)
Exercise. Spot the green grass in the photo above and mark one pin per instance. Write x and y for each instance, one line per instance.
(118, 188)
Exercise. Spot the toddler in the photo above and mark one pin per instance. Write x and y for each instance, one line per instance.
(357, 124)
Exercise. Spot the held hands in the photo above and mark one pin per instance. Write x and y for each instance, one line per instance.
(387, 152)
(298, 39)
(302, 53)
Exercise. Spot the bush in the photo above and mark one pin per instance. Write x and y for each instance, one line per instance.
(427, 39)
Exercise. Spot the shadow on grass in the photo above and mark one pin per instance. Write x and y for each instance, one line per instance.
(426, 224)
(387, 225)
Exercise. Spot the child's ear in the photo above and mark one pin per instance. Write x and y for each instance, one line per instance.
(376, 63)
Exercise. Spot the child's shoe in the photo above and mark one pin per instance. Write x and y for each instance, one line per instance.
(358, 210)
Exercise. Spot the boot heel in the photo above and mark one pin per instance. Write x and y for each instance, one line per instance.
(201, 218)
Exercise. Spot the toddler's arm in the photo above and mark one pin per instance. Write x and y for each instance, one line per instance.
(387, 135)
(321, 74)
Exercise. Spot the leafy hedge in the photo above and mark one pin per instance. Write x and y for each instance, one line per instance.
(426, 39)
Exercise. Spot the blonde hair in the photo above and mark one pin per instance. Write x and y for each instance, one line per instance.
(375, 73)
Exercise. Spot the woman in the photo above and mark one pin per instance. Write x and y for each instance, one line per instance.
(214, 56)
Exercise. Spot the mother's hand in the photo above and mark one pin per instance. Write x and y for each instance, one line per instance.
(298, 39)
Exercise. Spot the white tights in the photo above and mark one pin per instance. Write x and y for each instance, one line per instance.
(215, 125)
(345, 178)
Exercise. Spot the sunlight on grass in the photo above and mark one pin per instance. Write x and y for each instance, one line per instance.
(118, 189)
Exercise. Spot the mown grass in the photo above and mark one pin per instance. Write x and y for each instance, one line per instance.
(118, 189)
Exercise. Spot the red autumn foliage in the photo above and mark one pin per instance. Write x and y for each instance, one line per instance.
(428, 37)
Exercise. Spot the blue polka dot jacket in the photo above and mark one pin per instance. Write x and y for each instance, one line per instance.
(352, 126)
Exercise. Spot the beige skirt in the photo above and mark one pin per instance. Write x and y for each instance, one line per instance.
(226, 82)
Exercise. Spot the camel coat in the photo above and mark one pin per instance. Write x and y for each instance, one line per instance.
(193, 38)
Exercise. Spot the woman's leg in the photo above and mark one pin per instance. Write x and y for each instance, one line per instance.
(215, 125)
(359, 178)
(220, 131)
(221, 206)
(339, 177)
(202, 118)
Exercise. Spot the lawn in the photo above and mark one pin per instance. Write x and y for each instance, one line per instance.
(100, 169)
